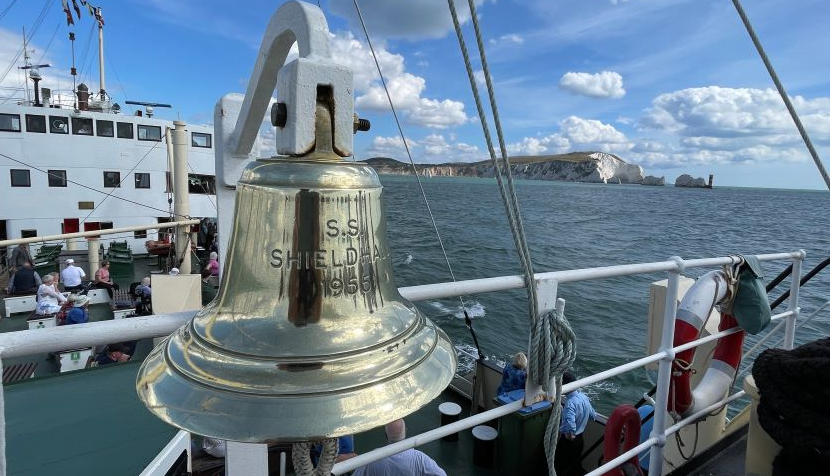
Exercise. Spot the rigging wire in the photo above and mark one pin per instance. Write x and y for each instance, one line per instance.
(782, 92)
(33, 30)
(467, 319)
(6, 10)
(39, 61)
(120, 83)
(86, 55)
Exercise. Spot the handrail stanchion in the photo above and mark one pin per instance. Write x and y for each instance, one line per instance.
(2, 422)
(664, 371)
(792, 305)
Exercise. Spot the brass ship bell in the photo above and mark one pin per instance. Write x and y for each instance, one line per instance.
(308, 337)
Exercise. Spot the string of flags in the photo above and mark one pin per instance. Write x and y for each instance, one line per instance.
(94, 11)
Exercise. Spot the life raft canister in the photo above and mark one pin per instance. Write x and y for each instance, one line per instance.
(709, 290)
(625, 422)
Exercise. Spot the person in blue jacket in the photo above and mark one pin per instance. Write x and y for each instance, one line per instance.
(78, 314)
(514, 375)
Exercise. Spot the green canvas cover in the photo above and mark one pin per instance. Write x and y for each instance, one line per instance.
(751, 305)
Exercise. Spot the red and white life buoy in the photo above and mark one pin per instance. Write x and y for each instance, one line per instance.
(708, 290)
(622, 432)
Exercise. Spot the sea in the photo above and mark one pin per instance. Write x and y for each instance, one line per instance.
(578, 225)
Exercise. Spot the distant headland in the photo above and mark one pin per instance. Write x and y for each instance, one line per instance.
(590, 167)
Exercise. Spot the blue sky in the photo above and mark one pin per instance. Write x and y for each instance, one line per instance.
(673, 85)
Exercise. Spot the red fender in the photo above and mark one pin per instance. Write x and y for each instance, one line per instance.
(624, 422)
(728, 351)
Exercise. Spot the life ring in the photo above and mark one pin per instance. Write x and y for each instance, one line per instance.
(625, 422)
(709, 290)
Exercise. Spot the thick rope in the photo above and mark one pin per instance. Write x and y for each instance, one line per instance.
(552, 352)
(552, 343)
(782, 92)
(301, 456)
(467, 320)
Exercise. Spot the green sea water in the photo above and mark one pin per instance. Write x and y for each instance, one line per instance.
(574, 225)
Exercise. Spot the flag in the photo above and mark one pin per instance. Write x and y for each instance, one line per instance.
(98, 16)
(77, 9)
(69, 20)
(89, 7)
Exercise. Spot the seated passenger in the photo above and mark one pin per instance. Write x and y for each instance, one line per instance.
(72, 276)
(26, 280)
(104, 281)
(78, 314)
(144, 289)
(514, 375)
(112, 354)
(213, 264)
(49, 300)
(411, 462)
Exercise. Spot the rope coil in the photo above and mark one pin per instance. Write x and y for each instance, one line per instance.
(301, 457)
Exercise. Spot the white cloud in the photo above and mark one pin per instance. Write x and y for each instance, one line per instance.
(434, 148)
(575, 134)
(733, 125)
(511, 38)
(606, 84)
(15, 81)
(406, 89)
(411, 20)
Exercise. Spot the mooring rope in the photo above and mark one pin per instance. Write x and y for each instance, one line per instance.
(782, 92)
(552, 344)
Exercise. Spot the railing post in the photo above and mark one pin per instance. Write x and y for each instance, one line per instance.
(2, 422)
(664, 371)
(792, 304)
(249, 459)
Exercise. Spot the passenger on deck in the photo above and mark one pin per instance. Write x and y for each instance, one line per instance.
(213, 264)
(144, 288)
(208, 291)
(103, 280)
(410, 462)
(72, 276)
(174, 272)
(49, 300)
(114, 353)
(576, 413)
(78, 314)
(26, 280)
(20, 255)
(514, 375)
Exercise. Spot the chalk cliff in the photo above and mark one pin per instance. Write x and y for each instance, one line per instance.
(593, 167)
(652, 180)
(687, 180)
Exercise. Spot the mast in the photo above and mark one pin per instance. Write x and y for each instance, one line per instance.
(102, 81)
(25, 67)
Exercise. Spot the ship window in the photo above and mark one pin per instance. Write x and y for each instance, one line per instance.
(20, 178)
(58, 125)
(57, 178)
(125, 130)
(140, 234)
(105, 225)
(204, 184)
(28, 233)
(142, 180)
(81, 126)
(105, 128)
(112, 179)
(198, 139)
(149, 133)
(10, 122)
(35, 123)
(86, 205)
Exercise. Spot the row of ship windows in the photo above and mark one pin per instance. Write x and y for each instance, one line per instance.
(82, 126)
(197, 183)
(104, 225)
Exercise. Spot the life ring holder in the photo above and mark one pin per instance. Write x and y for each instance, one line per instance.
(624, 421)
(714, 287)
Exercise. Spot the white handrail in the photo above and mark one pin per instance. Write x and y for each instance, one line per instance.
(169, 454)
(61, 338)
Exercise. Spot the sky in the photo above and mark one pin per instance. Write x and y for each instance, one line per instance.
(675, 86)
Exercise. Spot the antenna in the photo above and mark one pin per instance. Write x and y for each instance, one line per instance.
(148, 106)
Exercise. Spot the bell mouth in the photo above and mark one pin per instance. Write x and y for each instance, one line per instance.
(269, 403)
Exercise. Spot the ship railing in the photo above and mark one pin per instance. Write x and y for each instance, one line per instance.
(14, 344)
